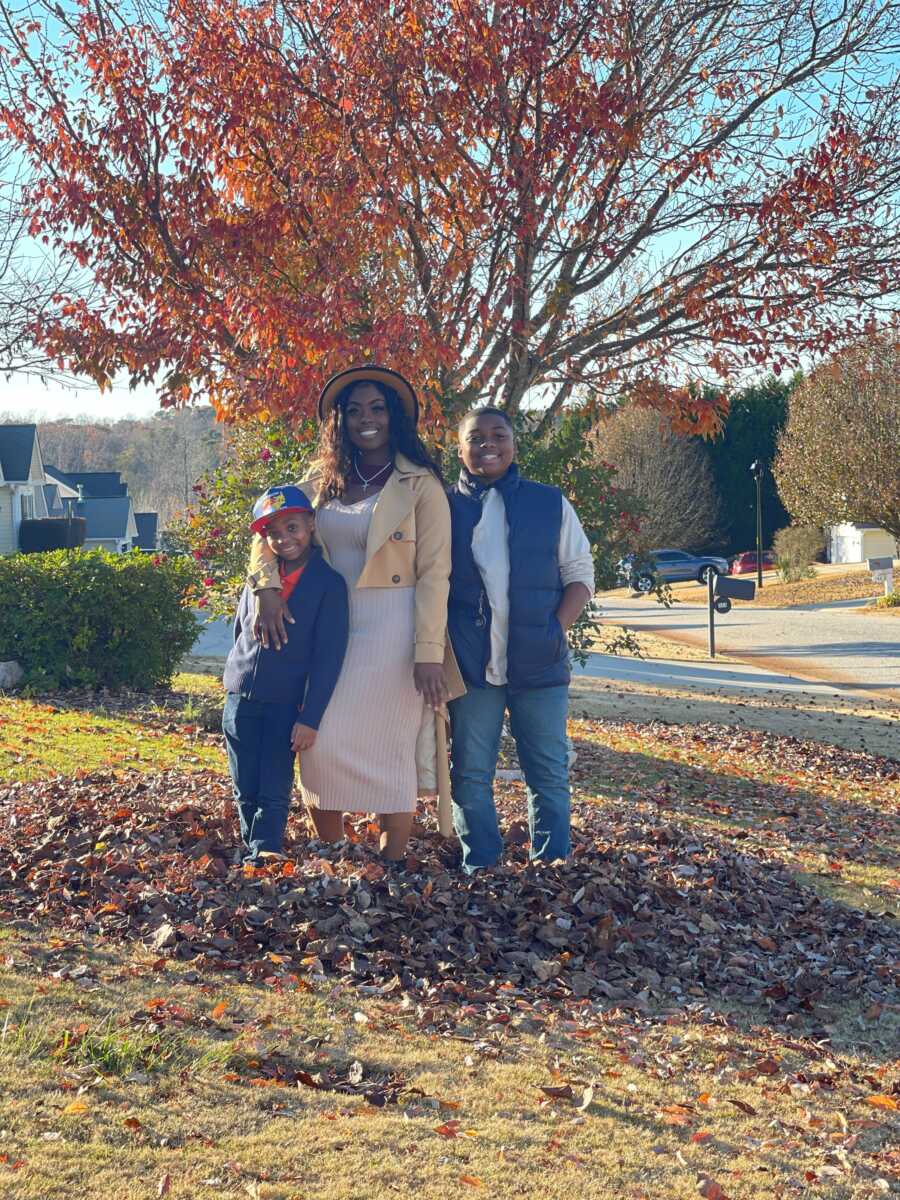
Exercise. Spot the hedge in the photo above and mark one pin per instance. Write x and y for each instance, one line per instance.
(75, 618)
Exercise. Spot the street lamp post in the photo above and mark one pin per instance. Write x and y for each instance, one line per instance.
(756, 470)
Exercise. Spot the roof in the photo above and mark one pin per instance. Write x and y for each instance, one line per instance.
(96, 485)
(107, 517)
(147, 523)
(17, 451)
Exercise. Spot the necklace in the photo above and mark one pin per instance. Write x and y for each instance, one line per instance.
(368, 482)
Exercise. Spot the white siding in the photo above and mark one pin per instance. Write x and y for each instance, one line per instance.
(7, 539)
(878, 543)
(844, 544)
(848, 543)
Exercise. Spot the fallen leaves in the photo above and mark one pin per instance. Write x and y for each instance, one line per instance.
(879, 1100)
(599, 928)
(710, 1190)
(76, 1108)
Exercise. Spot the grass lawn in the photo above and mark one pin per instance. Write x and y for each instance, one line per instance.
(130, 1070)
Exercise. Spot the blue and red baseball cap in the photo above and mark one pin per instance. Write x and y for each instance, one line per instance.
(286, 498)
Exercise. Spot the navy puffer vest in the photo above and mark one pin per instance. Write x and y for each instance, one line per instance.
(537, 652)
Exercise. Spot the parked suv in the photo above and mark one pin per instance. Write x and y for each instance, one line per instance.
(745, 563)
(669, 566)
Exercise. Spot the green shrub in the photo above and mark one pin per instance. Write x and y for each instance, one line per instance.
(796, 548)
(891, 600)
(77, 618)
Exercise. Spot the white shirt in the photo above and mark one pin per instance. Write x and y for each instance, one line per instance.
(490, 549)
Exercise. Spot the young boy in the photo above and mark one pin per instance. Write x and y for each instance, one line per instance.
(276, 698)
(522, 573)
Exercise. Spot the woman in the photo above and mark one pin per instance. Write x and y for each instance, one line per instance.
(383, 522)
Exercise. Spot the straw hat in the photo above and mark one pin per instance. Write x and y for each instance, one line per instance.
(382, 375)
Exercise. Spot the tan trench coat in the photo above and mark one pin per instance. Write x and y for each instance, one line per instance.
(408, 545)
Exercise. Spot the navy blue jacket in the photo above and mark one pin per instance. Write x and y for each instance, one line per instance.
(305, 671)
(537, 651)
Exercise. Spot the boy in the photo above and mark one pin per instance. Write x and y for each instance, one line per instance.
(276, 698)
(522, 573)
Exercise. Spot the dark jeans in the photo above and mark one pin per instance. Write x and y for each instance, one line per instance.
(261, 761)
(538, 722)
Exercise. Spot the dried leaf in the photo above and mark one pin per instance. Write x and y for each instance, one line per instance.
(743, 1106)
(710, 1190)
(879, 1100)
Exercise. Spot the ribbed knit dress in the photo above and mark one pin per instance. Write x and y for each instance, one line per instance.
(364, 759)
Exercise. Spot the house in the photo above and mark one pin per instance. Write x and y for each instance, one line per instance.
(92, 485)
(59, 498)
(107, 508)
(147, 530)
(31, 489)
(110, 523)
(22, 481)
(852, 543)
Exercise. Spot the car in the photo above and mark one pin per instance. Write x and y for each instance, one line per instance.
(669, 566)
(745, 563)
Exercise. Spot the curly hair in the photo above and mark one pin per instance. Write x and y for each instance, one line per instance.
(334, 457)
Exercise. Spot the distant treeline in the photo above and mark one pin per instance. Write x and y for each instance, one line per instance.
(160, 457)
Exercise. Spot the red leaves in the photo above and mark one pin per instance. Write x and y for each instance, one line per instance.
(710, 1190)
(450, 1129)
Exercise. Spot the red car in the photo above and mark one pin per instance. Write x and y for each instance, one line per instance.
(745, 564)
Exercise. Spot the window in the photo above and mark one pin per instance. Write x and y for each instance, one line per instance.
(26, 500)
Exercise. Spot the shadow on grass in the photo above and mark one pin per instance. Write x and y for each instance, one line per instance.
(835, 827)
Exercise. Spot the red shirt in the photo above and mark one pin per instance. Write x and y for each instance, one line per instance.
(289, 579)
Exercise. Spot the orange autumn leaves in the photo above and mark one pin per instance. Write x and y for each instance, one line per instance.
(442, 189)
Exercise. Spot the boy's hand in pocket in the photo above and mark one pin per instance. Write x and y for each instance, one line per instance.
(302, 738)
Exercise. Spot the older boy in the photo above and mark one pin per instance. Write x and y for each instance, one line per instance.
(522, 573)
(276, 699)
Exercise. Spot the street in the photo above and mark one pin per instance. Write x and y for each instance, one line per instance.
(836, 644)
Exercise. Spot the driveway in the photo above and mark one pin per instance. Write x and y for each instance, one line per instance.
(828, 642)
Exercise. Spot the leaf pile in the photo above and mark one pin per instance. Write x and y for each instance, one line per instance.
(643, 911)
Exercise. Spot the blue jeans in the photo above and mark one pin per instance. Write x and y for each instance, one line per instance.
(261, 762)
(538, 722)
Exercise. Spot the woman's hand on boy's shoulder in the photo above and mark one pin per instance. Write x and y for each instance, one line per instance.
(302, 737)
(271, 614)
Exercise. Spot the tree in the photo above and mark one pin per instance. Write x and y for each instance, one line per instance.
(31, 277)
(215, 527)
(670, 475)
(501, 199)
(756, 416)
(839, 456)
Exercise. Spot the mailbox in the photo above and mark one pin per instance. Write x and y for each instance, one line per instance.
(880, 564)
(735, 589)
